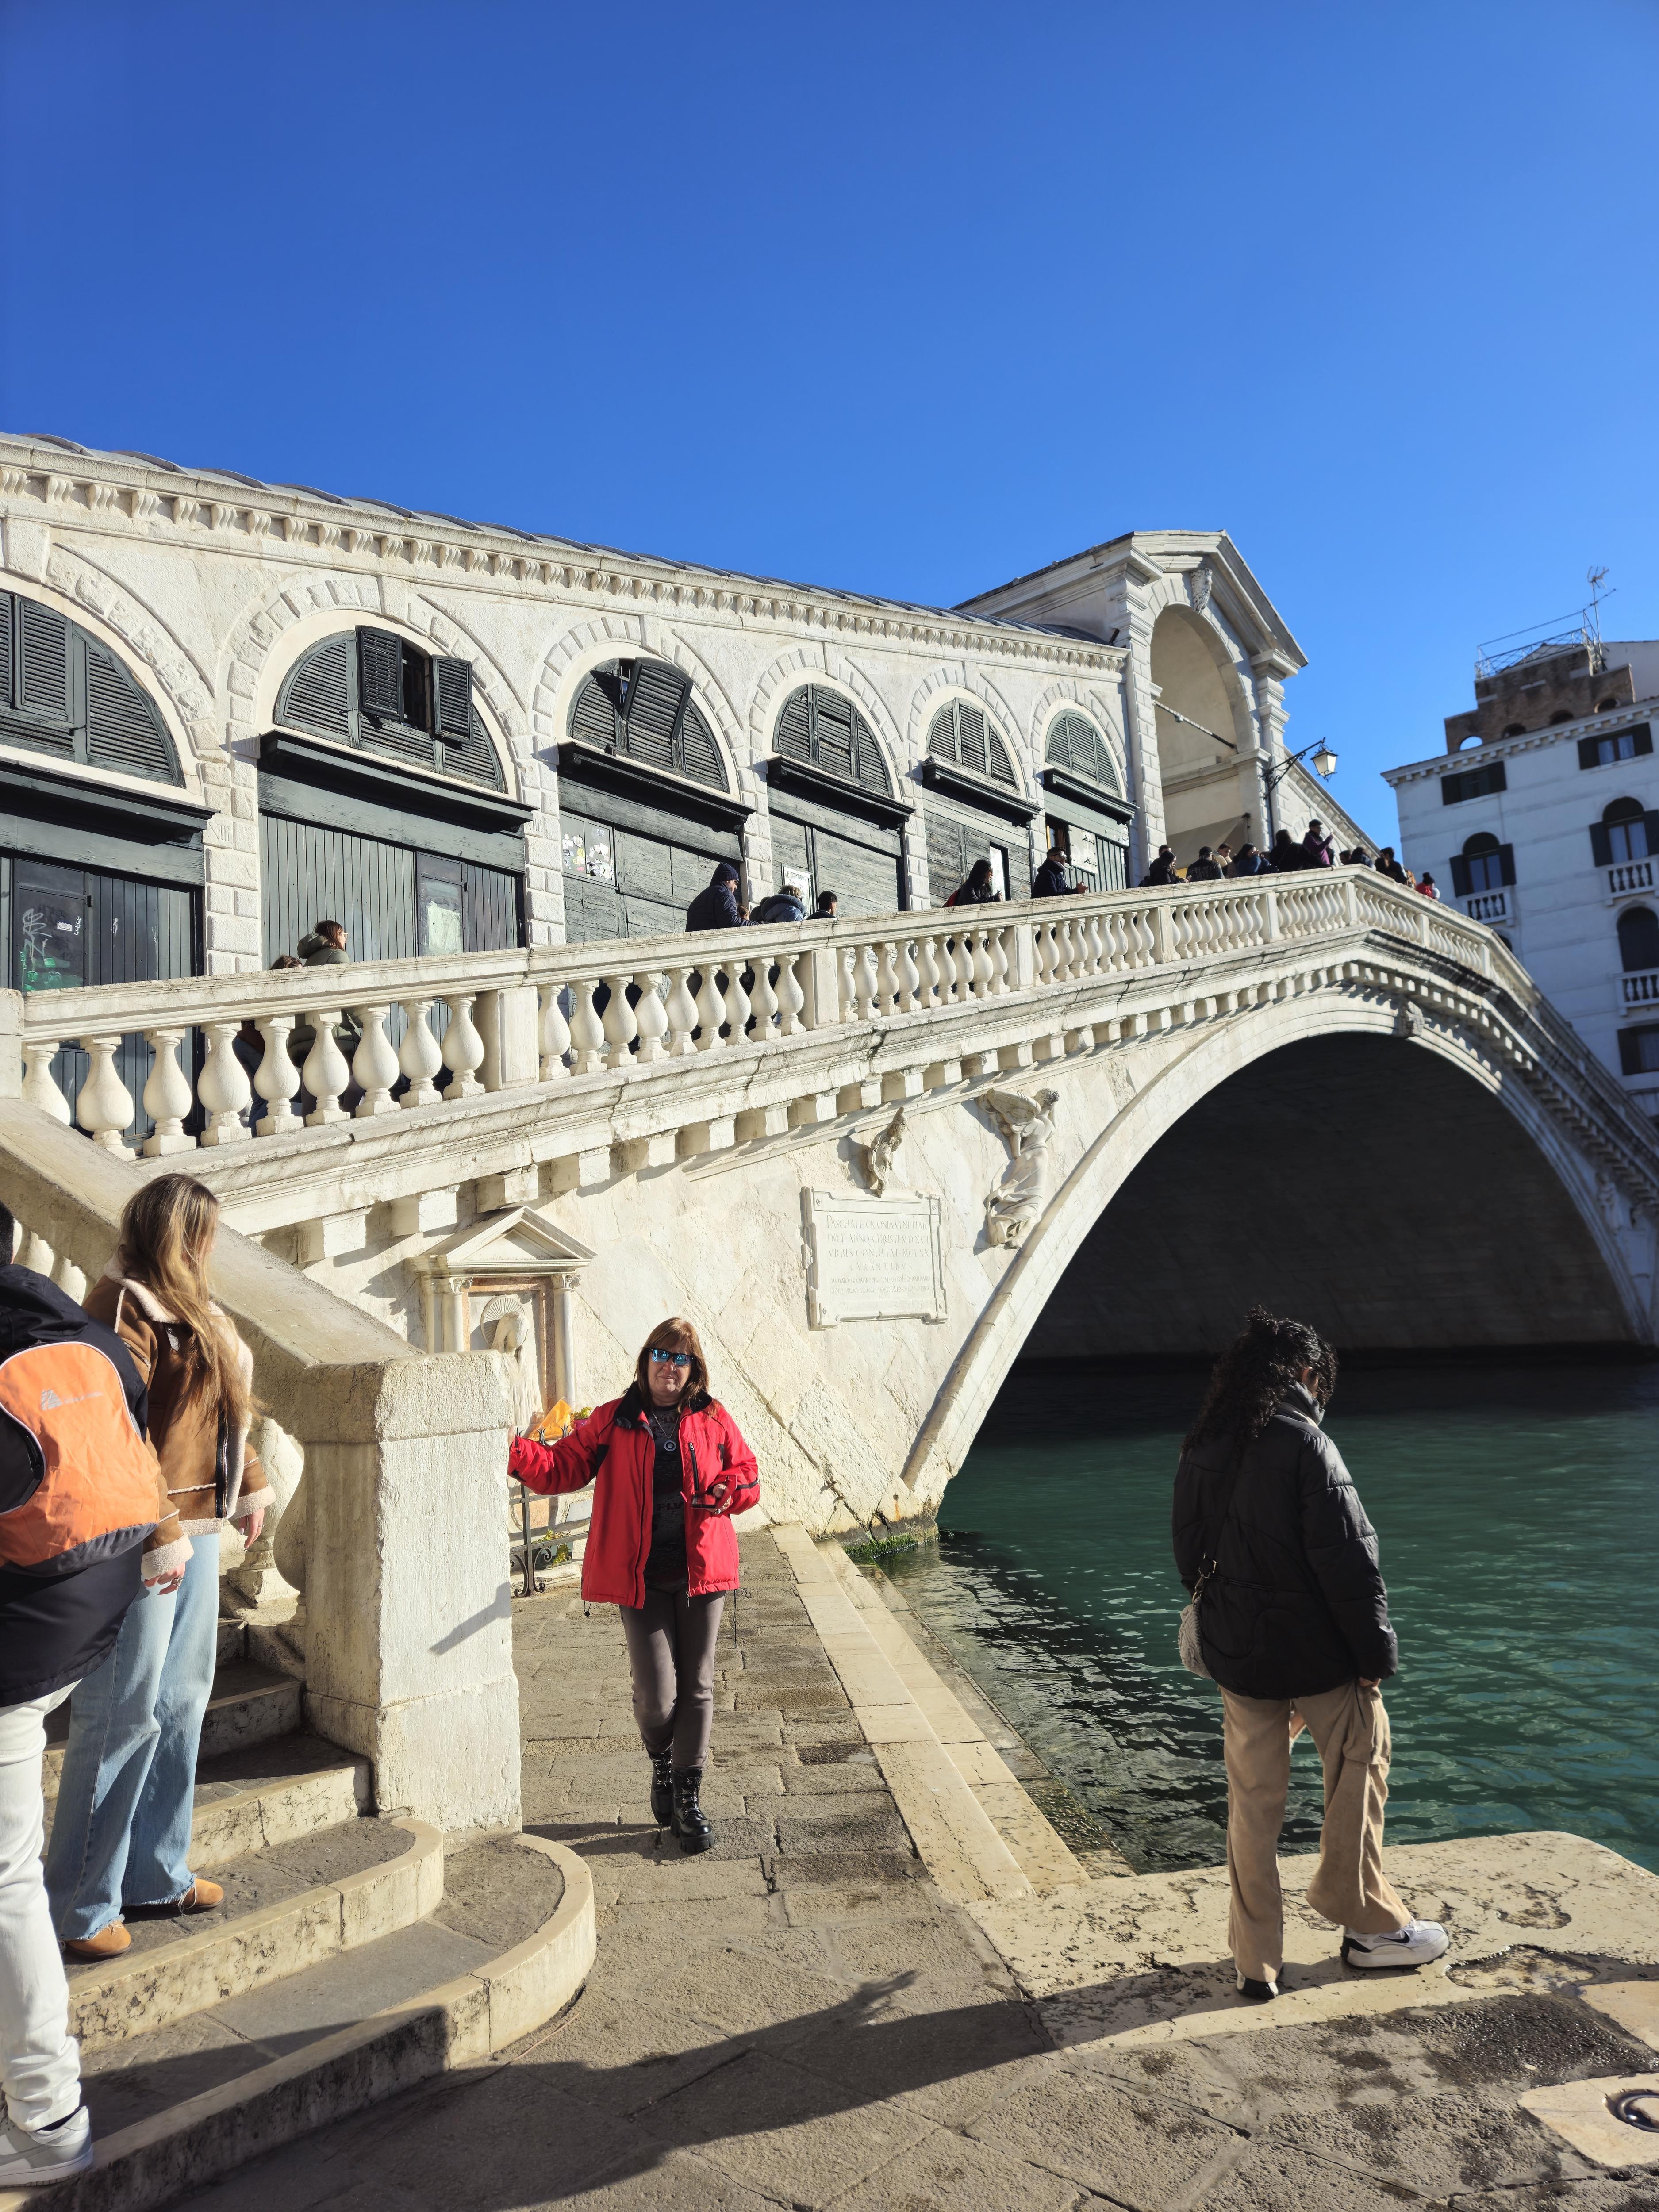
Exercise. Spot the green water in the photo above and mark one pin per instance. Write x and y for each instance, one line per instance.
(1516, 1511)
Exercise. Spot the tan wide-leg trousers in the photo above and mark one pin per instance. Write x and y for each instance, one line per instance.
(1351, 1730)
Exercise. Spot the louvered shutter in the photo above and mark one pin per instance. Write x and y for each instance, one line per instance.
(1601, 844)
(942, 735)
(1645, 738)
(1630, 1052)
(871, 768)
(1506, 863)
(6, 604)
(702, 754)
(476, 759)
(1589, 753)
(653, 707)
(1651, 823)
(1461, 886)
(319, 692)
(1000, 765)
(451, 685)
(594, 716)
(381, 673)
(970, 726)
(44, 662)
(795, 726)
(123, 728)
(833, 727)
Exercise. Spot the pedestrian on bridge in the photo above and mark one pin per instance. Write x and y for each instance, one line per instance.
(1292, 1616)
(669, 1468)
(715, 907)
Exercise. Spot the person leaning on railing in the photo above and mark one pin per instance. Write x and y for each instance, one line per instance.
(977, 887)
(669, 1468)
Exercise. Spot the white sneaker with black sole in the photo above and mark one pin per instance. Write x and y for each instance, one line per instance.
(1413, 1945)
(38, 2155)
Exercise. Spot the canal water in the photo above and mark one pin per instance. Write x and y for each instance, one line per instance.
(1517, 1508)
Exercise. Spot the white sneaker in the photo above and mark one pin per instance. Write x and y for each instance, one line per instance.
(1413, 1945)
(43, 2155)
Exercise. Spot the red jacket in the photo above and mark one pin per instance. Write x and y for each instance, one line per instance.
(615, 1445)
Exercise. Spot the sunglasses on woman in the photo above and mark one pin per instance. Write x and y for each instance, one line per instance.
(661, 1358)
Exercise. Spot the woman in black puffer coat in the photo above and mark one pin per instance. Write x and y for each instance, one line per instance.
(1293, 1621)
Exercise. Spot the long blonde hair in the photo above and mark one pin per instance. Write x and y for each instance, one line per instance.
(167, 1228)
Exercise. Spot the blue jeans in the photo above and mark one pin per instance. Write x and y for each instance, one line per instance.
(121, 1833)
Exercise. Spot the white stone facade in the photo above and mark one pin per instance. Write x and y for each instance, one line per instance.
(1562, 912)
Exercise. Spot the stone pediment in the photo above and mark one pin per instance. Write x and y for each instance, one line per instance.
(516, 1244)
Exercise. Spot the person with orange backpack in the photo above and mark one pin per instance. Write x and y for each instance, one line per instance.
(80, 1494)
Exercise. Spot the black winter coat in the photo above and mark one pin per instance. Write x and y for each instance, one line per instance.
(55, 1629)
(715, 907)
(1296, 1604)
(1049, 881)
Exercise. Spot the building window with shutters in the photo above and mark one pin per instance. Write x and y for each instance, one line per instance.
(644, 711)
(63, 692)
(959, 734)
(1617, 745)
(1473, 783)
(976, 810)
(1638, 1050)
(1638, 940)
(373, 689)
(837, 825)
(1088, 818)
(1484, 865)
(1627, 832)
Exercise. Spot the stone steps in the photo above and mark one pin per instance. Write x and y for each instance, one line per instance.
(250, 1704)
(285, 1909)
(176, 2106)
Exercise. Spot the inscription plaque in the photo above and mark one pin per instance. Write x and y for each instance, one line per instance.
(872, 1259)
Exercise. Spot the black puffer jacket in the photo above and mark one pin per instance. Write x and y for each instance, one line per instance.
(1296, 1603)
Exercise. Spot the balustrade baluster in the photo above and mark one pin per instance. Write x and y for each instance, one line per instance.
(326, 1073)
(104, 1107)
(418, 1056)
(375, 1066)
(555, 1034)
(586, 1030)
(763, 999)
(277, 1078)
(711, 1012)
(650, 1016)
(167, 1095)
(886, 978)
(682, 1012)
(463, 1050)
(791, 997)
(620, 1027)
(738, 1011)
(1070, 963)
(998, 948)
(1097, 942)
(1047, 957)
(909, 977)
(964, 959)
(982, 971)
(39, 1088)
(927, 970)
(865, 983)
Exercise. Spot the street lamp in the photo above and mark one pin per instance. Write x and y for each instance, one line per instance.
(1323, 765)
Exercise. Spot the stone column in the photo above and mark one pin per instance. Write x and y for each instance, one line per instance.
(563, 1346)
(1125, 609)
(1270, 669)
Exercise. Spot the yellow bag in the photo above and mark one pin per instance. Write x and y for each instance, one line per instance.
(557, 1421)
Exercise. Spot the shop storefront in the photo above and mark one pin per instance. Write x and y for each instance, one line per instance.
(1085, 814)
(976, 810)
(836, 825)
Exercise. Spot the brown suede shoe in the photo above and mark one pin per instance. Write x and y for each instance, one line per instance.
(108, 1943)
(200, 1896)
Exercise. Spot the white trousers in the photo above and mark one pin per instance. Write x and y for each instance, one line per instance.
(40, 2059)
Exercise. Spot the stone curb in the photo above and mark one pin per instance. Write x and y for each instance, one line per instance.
(954, 1836)
(146, 1989)
(461, 2023)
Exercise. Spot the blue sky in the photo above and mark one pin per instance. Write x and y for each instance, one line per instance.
(906, 298)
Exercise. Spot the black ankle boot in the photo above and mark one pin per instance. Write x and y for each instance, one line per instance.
(662, 1787)
(691, 1830)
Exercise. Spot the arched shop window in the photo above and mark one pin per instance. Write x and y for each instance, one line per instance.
(837, 822)
(99, 883)
(645, 809)
(1087, 816)
(372, 689)
(979, 811)
(62, 692)
(644, 709)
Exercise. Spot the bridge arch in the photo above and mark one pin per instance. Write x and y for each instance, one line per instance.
(1168, 1184)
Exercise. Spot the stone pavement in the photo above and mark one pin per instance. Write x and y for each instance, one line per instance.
(803, 2018)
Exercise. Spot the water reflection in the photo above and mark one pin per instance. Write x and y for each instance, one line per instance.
(1514, 1507)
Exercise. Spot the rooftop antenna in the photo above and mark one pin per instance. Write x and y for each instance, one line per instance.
(1596, 578)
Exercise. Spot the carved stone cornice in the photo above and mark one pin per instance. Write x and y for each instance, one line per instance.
(1587, 726)
(117, 491)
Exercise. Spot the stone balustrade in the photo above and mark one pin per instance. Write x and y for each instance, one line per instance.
(392, 1037)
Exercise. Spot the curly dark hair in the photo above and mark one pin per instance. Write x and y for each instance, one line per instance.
(1254, 1373)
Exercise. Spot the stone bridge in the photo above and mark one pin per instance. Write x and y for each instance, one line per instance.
(876, 1161)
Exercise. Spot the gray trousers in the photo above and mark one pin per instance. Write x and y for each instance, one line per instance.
(671, 1653)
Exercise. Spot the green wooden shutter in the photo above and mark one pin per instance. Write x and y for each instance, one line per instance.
(1461, 886)
(595, 717)
(655, 694)
(999, 765)
(1601, 844)
(451, 685)
(942, 735)
(971, 725)
(318, 694)
(1506, 862)
(123, 729)
(700, 753)
(794, 738)
(6, 605)
(44, 663)
(871, 768)
(380, 674)
(832, 718)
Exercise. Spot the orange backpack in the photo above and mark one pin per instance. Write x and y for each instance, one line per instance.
(97, 1495)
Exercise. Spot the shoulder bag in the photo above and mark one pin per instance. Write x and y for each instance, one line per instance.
(1188, 1643)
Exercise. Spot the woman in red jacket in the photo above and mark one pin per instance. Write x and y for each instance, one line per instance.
(670, 1468)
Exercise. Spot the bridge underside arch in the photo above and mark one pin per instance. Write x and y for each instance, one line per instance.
(1374, 1191)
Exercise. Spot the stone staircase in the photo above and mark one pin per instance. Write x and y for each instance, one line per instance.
(351, 1956)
